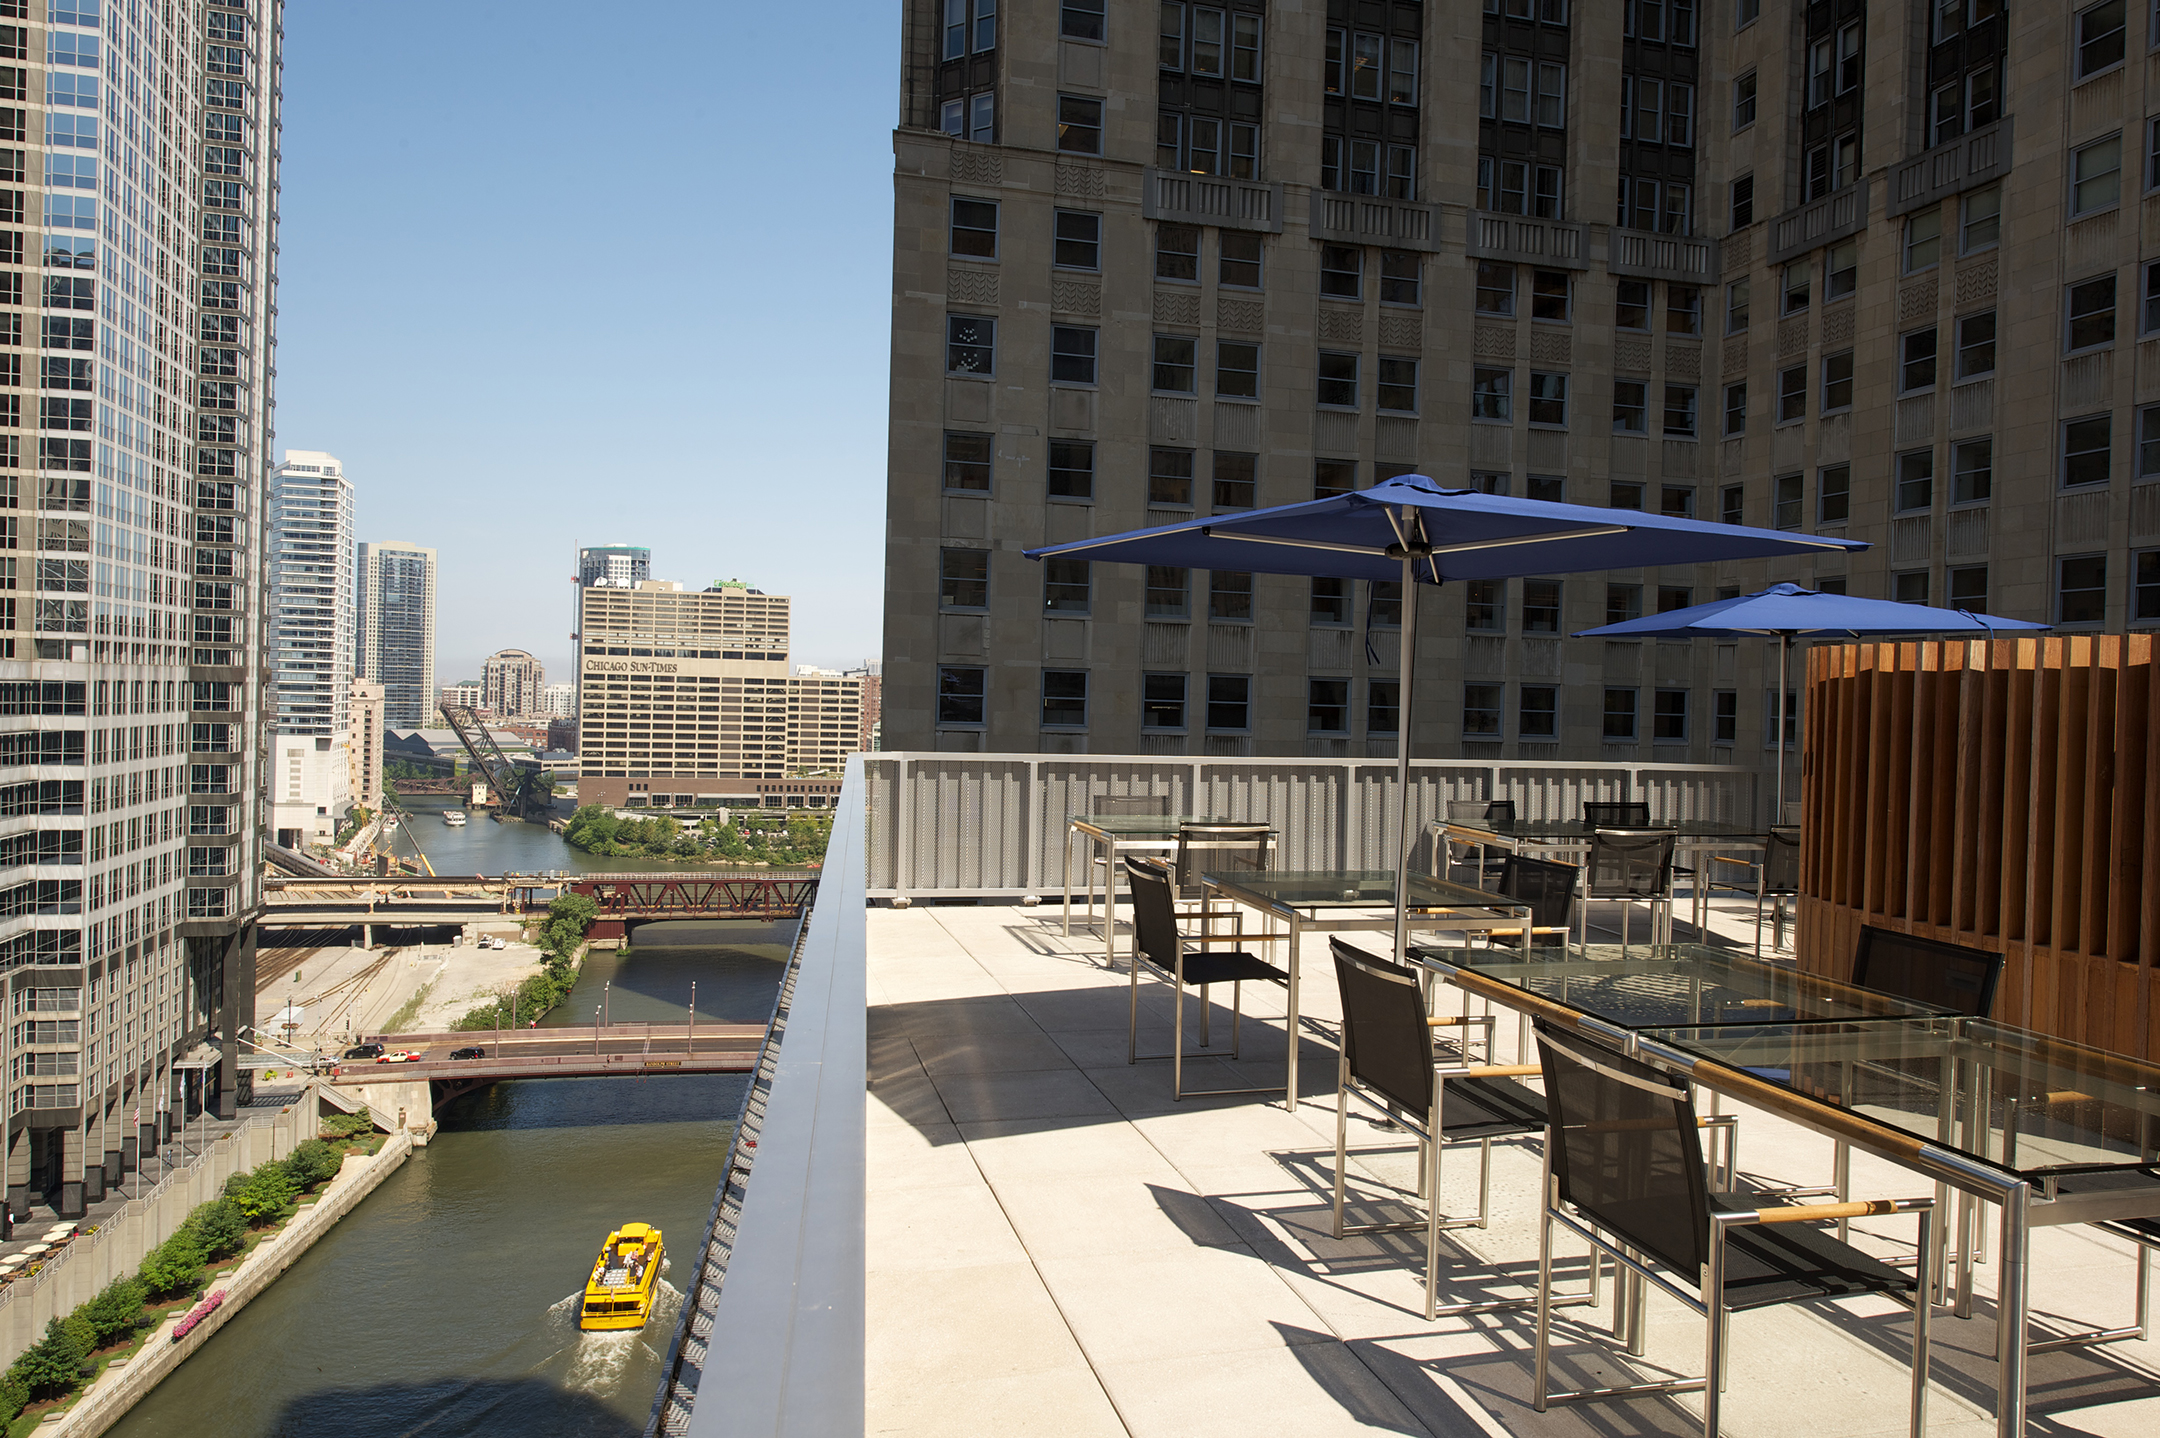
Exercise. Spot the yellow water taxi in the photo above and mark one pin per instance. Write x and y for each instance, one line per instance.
(625, 1279)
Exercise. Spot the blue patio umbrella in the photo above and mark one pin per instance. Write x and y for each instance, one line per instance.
(1412, 531)
(1786, 612)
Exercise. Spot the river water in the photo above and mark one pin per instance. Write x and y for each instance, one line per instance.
(446, 1303)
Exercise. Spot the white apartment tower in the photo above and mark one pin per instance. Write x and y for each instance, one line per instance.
(397, 629)
(310, 633)
(511, 682)
(130, 634)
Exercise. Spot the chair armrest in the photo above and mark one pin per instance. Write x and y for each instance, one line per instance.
(1452, 1021)
(1736, 863)
(1495, 1071)
(1815, 1212)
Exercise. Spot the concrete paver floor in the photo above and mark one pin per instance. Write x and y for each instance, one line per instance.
(1056, 1247)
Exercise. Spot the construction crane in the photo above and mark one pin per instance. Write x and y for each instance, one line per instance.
(519, 787)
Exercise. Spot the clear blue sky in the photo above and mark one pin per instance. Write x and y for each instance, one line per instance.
(554, 275)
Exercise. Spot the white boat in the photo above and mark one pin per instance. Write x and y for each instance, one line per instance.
(455, 818)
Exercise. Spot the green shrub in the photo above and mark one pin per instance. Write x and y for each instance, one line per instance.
(219, 1227)
(115, 1312)
(346, 1125)
(14, 1395)
(313, 1161)
(56, 1364)
(173, 1266)
(263, 1193)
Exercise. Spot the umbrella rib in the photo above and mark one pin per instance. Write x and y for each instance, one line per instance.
(1209, 532)
(1592, 532)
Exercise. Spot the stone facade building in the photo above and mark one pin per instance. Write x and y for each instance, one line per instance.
(1750, 262)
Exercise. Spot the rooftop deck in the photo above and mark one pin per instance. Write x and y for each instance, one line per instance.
(1056, 1247)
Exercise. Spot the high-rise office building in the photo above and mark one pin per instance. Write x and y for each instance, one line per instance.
(365, 745)
(131, 634)
(310, 637)
(1748, 263)
(397, 629)
(511, 682)
(621, 565)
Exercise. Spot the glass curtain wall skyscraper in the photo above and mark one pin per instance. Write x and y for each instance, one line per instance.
(397, 629)
(311, 606)
(130, 587)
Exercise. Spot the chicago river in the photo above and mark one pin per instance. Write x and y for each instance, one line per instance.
(446, 1303)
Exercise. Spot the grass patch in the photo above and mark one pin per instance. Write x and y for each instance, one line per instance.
(396, 1023)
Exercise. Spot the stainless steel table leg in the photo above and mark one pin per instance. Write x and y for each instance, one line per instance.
(2010, 1314)
(1290, 1095)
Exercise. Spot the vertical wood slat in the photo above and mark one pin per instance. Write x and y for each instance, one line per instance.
(1999, 794)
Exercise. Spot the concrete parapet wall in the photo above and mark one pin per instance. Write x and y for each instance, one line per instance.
(121, 1388)
(116, 1250)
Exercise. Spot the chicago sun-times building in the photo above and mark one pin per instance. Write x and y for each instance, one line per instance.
(1879, 270)
(138, 216)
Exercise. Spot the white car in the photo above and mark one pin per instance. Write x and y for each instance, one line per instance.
(497, 943)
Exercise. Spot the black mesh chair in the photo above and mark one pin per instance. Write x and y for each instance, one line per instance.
(1159, 945)
(1549, 890)
(1770, 880)
(1623, 1154)
(1624, 814)
(1631, 865)
(1927, 971)
(1388, 1063)
(1486, 860)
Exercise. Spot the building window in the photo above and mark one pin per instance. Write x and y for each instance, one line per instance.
(1624, 494)
(1064, 698)
(1980, 219)
(1072, 355)
(1680, 410)
(1725, 716)
(1622, 602)
(1481, 711)
(1916, 480)
(1541, 606)
(1401, 277)
(1169, 591)
(1333, 476)
(1177, 252)
(1785, 501)
(1743, 203)
(1229, 596)
(970, 117)
(960, 695)
(1968, 588)
(1495, 288)
(2087, 450)
(970, 345)
(2096, 176)
(974, 228)
(1239, 264)
(1079, 125)
(1327, 706)
(1066, 586)
(1923, 240)
(1619, 715)
(963, 37)
(2101, 31)
(1078, 237)
(1537, 712)
(1492, 394)
(1631, 305)
(1398, 384)
(1736, 408)
(2145, 587)
(1683, 309)
(1330, 601)
(963, 579)
(1072, 469)
(1546, 488)
(1677, 501)
(1736, 307)
(1383, 706)
(1976, 345)
(1743, 101)
(1229, 702)
(1841, 270)
(1162, 701)
(1909, 586)
(1732, 504)
(1237, 370)
(1236, 480)
(1549, 297)
(967, 461)
(1837, 381)
(1484, 606)
(1548, 399)
(1338, 379)
(2081, 589)
(1630, 407)
(1833, 494)
(1170, 473)
(1342, 271)
(1972, 471)
(1668, 716)
(1176, 364)
(1081, 19)
(2090, 314)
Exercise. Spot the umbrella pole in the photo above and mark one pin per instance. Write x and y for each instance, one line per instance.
(1784, 660)
(1403, 691)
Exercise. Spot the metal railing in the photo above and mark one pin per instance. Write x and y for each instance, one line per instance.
(994, 825)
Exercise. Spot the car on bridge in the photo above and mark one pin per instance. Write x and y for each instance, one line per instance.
(468, 1053)
(364, 1051)
(398, 1056)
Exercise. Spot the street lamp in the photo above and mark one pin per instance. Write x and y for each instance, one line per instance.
(596, 1030)
(606, 1017)
(691, 1047)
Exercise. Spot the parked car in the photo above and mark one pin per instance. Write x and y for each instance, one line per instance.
(400, 1056)
(468, 1053)
(364, 1051)
(497, 943)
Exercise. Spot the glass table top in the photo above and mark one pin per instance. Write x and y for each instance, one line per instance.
(1147, 825)
(1669, 984)
(1353, 889)
(2049, 1109)
(1577, 829)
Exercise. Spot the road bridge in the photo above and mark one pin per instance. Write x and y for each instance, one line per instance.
(612, 1051)
(628, 900)
(625, 900)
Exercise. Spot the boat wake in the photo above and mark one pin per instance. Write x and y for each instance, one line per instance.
(599, 1362)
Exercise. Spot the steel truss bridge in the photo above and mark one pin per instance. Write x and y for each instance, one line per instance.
(625, 900)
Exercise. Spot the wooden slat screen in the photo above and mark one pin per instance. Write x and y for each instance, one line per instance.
(2002, 795)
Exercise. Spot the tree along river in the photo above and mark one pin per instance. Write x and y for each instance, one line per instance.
(446, 1304)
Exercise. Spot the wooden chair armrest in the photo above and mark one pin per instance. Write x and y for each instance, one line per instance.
(1497, 1071)
(1737, 863)
(1454, 1021)
(1860, 1208)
